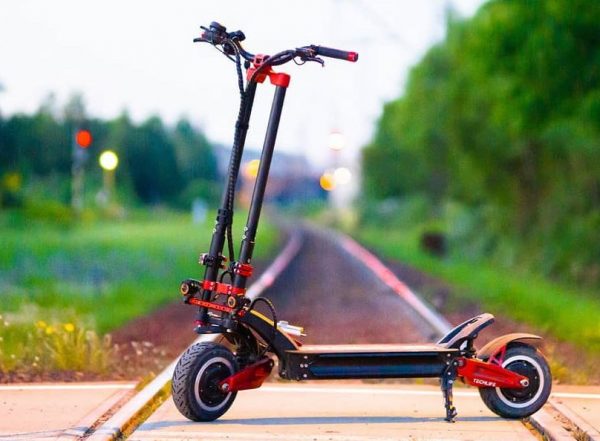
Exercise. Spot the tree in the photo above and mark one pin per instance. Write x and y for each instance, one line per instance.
(151, 161)
(504, 117)
(194, 153)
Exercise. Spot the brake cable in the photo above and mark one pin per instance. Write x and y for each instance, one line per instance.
(274, 316)
(234, 162)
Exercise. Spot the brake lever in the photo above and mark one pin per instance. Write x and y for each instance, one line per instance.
(308, 54)
(315, 59)
(204, 37)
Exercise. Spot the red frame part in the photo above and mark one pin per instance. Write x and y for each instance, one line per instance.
(251, 377)
(223, 288)
(243, 269)
(483, 374)
(277, 78)
(210, 305)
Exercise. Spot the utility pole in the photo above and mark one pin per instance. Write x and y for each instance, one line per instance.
(108, 162)
(81, 140)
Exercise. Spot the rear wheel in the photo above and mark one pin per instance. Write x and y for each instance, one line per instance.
(520, 403)
(196, 379)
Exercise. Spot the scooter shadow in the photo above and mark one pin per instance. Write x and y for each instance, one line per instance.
(306, 421)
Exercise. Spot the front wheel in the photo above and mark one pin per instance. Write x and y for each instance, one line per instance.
(520, 403)
(196, 379)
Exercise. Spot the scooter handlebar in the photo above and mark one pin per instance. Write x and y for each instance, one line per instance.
(216, 34)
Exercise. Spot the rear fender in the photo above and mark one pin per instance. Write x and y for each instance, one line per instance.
(495, 349)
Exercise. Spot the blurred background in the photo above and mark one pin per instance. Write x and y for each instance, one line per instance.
(468, 131)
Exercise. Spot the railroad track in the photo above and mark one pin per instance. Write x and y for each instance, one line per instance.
(292, 282)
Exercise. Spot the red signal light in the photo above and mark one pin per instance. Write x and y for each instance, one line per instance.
(83, 138)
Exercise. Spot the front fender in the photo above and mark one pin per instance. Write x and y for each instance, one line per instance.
(493, 347)
(279, 341)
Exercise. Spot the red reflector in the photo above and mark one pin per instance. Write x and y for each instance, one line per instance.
(352, 56)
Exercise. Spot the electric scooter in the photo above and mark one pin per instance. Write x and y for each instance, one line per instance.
(513, 377)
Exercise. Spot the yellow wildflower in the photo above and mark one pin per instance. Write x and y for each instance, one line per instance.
(41, 324)
(49, 330)
(69, 327)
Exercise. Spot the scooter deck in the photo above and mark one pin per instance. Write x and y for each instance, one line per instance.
(369, 361)
(372, 348)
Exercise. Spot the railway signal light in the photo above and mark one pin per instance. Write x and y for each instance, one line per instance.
(251, 169)
(83, 138)
(327, 181)
(108, 160)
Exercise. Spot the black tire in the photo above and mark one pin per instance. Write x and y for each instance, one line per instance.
(196, 379)
(520, 403)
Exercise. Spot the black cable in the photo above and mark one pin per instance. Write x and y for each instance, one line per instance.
(226, 273)
(273, 314)
(234, 164)
(235, 160)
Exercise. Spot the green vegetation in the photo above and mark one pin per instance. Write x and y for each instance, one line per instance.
(158, 164)
(42, 347)
(61, 286)
(110, 271)
(566, 313)
(498, 135)
(493, 151)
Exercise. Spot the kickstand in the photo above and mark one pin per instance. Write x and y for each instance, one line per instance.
(446, 382)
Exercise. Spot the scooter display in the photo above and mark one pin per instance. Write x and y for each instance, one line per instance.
(512, 376)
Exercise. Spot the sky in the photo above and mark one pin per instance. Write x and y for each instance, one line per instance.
(138, 56)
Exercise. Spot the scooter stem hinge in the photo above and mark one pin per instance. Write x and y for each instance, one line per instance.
(258, 73)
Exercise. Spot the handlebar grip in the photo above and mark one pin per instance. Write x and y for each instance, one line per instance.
(336, 53)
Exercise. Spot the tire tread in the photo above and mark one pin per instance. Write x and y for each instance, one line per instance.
(490, 396)
(182, 385)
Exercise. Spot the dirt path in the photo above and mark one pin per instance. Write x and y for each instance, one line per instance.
(324, 289)
(338, 300)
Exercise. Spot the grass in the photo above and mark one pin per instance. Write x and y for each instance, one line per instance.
(61, 287)
(565, 312)
(44, 347)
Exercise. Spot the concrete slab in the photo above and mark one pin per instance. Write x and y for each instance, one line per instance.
(50, 411)
(583, 411)
(338, 412)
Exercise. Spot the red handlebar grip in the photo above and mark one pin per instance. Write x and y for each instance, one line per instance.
(336, 53)
(352, 56)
